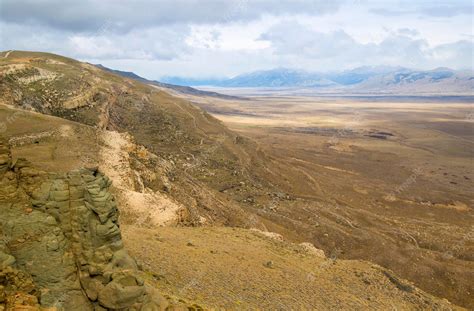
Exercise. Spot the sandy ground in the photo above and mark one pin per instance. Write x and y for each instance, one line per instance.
(145, 206)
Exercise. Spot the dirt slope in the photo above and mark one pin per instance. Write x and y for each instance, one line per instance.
(230, 268)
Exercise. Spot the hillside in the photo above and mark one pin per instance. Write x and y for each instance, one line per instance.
(268, 273)
(181, 150)
(173, 164)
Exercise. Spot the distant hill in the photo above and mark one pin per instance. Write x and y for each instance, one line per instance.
(178, 88)
(378, 79)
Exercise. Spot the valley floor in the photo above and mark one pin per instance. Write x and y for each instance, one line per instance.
(397, 179)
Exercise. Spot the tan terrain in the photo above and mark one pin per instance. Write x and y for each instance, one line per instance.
(396, 179)
(238, 269)
(182, 267)
(171, 163)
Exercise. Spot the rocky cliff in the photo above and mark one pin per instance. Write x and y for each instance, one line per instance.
(61, 245)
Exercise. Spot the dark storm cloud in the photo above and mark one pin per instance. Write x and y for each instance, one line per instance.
(88, 15)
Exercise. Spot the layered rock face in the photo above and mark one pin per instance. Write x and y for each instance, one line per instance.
(60, 244)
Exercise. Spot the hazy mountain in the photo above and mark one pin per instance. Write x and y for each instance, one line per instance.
(280, 77)
(378, 79)
(360, 74)
(187, 90)
(439, 80)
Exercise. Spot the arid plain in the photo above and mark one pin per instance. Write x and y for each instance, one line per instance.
(397, 174)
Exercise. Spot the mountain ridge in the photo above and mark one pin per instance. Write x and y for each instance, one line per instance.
(365, 79)
(186, 90)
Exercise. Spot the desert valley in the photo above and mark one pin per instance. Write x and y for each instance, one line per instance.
(285, 189)
(161, 155)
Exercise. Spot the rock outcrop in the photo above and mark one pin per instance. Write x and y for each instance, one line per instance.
(61, 246)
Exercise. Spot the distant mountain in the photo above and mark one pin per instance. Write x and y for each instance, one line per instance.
(187, 90)
(281, 77)
(361, 74)
(438, 81)
(363, 80)
(377, 79)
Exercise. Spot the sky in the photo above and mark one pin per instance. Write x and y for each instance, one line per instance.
(224, 38)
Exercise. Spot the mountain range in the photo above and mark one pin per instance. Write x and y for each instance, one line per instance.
(378, 79)
(182, 89)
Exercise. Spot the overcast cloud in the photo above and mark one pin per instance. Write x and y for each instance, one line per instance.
(209, 38)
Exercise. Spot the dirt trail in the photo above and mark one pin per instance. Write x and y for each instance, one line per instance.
(7, 53)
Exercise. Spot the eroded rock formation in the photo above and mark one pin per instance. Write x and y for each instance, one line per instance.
(60, 244)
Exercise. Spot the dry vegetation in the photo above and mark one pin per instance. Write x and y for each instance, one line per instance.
(237, 269)
(388, 181)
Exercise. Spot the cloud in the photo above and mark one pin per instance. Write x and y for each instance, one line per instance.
(430, 8)
(164, 43)
(229, 37)
(161, 43)
(337, 49)
(457, 54)
(91, 15)
(293, 38)
(408, 32)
